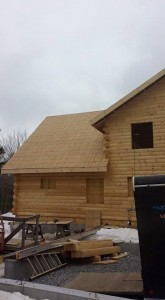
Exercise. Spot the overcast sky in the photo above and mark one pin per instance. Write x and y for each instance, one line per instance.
(68, 56)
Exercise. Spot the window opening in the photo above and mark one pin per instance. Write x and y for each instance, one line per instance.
(48, 183)
(142, 135)
(95, 190)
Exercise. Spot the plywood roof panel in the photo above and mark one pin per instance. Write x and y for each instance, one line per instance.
(66, 143)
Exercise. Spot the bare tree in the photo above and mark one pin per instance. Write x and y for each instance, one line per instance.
(11, 143)
(8, 146)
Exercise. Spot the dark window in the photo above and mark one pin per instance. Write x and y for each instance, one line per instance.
(142, 135)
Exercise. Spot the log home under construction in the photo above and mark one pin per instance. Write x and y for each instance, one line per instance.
(81, 165)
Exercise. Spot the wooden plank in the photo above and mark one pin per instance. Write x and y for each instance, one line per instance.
(95, 252)
(91, 244)
(110, 283)
(17, 219)
(64, 222)
(92, 219)
(13, 242)
(12, 248)
(37, 249)
(122, 255)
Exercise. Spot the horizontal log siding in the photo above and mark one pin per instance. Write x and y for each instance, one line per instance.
(126, 162)
(30, 199)
(66, 201)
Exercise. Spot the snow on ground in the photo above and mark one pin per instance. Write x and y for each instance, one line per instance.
(118, 235)
(8, 227)
(14, 296)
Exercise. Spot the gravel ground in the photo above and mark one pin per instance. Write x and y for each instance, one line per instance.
(130, 263)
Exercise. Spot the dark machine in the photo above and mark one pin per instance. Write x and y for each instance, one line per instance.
(149, 194)
(2, 234)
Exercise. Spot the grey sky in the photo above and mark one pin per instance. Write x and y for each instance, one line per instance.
(67, 56)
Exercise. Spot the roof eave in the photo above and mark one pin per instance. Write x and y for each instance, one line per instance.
(56, 170)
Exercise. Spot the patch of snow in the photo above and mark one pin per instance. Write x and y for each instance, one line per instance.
(6, 223)
(118, 235)
(8, 227)
(14, 296)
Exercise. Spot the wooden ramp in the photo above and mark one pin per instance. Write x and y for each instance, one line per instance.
(15, 244)
(108, 283)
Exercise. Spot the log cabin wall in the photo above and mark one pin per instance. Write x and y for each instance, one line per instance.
(72, 195)
(57, 196)
(125, 162)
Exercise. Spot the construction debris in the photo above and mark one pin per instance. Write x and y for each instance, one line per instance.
(46, 257)
(94, 249)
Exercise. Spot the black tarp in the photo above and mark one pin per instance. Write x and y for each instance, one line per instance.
(149, 194)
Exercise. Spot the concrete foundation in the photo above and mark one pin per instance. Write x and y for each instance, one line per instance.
(41, 291)
(17, 269)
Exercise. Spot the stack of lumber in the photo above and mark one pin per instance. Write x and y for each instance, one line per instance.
(93, 248)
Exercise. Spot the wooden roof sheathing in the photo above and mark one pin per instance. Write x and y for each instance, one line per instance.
(99, 120)
(66, 143)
